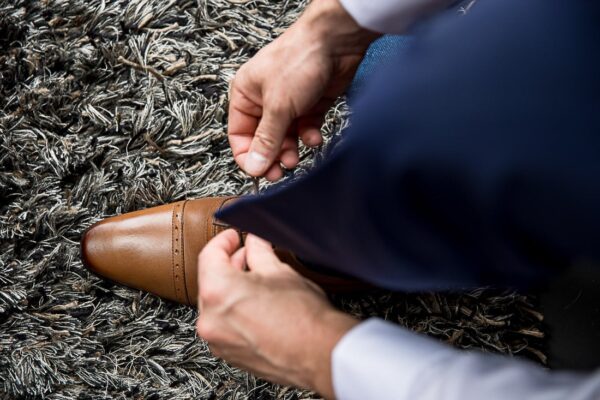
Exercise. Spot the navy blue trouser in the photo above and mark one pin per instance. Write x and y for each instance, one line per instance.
(473, 159)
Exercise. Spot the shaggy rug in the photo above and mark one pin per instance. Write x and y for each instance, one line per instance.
(109, 106)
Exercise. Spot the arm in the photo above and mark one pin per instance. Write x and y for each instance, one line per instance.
(278, 325)
(283, 92)
(378, 360)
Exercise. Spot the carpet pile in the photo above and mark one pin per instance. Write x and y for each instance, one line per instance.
(109, 106)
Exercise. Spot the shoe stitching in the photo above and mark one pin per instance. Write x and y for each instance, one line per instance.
(172, 249)
(183, 268)
(177, 251)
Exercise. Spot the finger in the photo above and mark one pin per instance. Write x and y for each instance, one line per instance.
(215, 266)
(309, 126)
(289, 158)
(239, 143)
(217, 253)
(244, 115)
(260, 255)
(311, 136)
(274, 173)
(238, 259)
(309, 130)
(289, 152)
(267, 140)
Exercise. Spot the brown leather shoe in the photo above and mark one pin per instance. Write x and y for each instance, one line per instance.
(156, 250)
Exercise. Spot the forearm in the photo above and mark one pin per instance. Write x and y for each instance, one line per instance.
(326, 333)
(333, 27)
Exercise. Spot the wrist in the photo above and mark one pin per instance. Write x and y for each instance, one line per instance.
(331, 326)
(330, 24)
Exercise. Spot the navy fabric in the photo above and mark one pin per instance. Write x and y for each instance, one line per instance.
(474, 159)
(378, 55)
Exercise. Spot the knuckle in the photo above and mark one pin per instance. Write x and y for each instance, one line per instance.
(210, 295)
(279, 109)
(206, 329)
(206, 257)
(243, 77)
(266, 140)
(243, 70)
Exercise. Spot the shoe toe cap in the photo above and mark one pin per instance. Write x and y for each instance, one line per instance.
(154, 250)
(133, 250)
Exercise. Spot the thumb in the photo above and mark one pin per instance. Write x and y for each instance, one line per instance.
(267, 140)
(260, 255)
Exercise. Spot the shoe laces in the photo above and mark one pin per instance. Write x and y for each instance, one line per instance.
(224, 225)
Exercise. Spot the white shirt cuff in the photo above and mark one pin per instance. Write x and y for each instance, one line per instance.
(376, 354)
(379, 360)
(391, 16)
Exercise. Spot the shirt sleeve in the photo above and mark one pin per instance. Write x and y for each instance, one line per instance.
(391, 16)
(378, 360)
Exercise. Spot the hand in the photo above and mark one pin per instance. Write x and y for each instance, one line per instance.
(284, 91)
(268, 320)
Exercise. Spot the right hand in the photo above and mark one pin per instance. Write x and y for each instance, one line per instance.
(267, 319)
(284, 91)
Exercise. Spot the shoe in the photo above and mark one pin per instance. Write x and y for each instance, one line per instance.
(156, 250)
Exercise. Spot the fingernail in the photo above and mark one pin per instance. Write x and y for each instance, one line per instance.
(255, 163)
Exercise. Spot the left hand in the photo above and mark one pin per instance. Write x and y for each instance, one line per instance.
(269, 320)
(284, 91)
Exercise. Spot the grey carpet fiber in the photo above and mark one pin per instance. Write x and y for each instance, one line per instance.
(112, 106)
